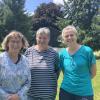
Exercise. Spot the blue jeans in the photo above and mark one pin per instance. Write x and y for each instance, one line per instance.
(64, 95)
(37, 98)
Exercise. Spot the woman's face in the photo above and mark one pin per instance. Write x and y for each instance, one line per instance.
(15, 44)
(70, 37)
(42, 39)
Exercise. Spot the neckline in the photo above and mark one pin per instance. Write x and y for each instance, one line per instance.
(75, 51)
(41, 51)
(11, 59)
(19, 57)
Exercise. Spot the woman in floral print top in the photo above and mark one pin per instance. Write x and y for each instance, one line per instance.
(14, 73)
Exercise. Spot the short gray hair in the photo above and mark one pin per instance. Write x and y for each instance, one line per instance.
(43, 30)
(12, 34)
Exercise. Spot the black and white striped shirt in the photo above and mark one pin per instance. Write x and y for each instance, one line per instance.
(43, 72)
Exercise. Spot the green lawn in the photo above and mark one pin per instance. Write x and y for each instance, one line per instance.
(96, 83)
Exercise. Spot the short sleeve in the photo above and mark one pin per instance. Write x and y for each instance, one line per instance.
(61, 60)
(92, 59)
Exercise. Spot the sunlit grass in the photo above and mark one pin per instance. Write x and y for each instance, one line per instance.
(96, 83)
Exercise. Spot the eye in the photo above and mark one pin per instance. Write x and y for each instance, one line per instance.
(39, 38)
(44, 38)
(14, 41)
(71, 35)
(67, 36)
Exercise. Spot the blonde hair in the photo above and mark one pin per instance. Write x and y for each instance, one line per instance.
(69, 27)
(11, 35)
(43, 30)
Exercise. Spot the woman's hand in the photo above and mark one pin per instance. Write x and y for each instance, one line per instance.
(13, 97)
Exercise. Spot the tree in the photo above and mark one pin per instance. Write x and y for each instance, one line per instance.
(14, 17)
(4, 13)
(49, 10)
(81, 12)
(46, 16)
(94, 34)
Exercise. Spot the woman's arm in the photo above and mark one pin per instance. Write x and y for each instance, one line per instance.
(3, 94)
(93, 70)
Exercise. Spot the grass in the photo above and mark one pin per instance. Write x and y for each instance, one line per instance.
(95, 81)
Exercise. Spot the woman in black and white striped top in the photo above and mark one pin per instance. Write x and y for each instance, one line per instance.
(43, 61)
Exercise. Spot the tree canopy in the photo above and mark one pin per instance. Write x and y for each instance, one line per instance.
(84, 15)
(13, 17)
(46, 15)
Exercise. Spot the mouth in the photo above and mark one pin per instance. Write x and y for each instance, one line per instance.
(15, 49)
(69, 41)
(42, 42)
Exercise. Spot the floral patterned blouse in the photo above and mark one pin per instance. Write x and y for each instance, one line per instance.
(14, 78)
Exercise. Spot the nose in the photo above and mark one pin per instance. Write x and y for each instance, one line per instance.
(15, 45)
(69, 36)
(41, 39)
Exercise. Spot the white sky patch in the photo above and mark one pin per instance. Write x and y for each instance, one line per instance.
(59, 1)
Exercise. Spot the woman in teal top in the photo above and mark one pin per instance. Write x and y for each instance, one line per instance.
(14, 72)
(79, 67)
